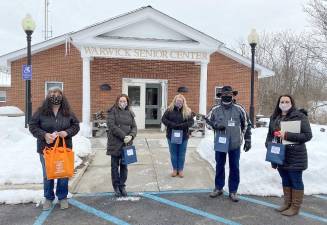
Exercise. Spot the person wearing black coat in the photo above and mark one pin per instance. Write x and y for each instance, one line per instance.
(296, 158)
(121, 132)
(178, 117)
(52, 120)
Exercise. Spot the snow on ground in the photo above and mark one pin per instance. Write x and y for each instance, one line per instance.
(10, 110)
(20, 161)
(257, 176)
(20, 196)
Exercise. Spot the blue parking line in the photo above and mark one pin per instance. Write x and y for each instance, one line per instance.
(43, 216)
(191, 210)
(260, 202)
(97, 213)
(321, 196)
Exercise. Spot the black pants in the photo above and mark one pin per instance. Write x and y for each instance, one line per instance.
(118, 172)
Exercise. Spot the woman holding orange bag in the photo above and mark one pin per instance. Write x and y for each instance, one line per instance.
(52, 120)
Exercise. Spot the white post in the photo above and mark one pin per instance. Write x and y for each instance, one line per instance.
(86, 105)
(203, 88)
(164, 96)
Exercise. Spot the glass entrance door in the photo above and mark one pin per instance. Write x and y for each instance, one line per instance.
(153, 105)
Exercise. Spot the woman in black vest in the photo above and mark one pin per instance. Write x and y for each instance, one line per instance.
(52, 120)
(296, 159)
(178, 117)
(121, 131)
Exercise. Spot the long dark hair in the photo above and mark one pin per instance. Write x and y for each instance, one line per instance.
(277, 110)
(46, 107)
(117, 100)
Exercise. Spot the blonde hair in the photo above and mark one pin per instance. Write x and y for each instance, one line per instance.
(186, 111)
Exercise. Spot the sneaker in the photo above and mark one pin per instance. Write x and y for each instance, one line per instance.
(181, 174)
(233, 197)
(216, 192)
(63, 203)
(123, 191)
(174, 173)
(47, 204)
(117, 192)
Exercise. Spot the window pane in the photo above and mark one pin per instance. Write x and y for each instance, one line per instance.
(53, 84)
(151, 96)
(134, 94)
(2, 96)
(218, 90)
(151, 114)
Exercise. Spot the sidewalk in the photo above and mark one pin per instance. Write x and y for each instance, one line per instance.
(152, 171)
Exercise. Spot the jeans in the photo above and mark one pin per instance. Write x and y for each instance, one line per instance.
(48, 185)
(177, 154)
(118, 172)
(292, 178)
(234, 170)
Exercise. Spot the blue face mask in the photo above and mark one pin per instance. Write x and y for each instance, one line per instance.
(179, 105)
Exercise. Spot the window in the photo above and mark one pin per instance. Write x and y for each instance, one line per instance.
(134, 93)
(50, 84)
(217, 90)
(3, 96)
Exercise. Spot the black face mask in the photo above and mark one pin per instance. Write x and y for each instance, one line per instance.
(227, 99)
(55, 100)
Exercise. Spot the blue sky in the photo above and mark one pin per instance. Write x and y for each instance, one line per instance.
(225, 20)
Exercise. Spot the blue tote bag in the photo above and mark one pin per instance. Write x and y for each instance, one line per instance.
(176, 137)
(129, 155)
(275, 153)
(221, 143)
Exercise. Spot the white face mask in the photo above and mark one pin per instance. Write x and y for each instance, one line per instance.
(285, 106)
(122, 105)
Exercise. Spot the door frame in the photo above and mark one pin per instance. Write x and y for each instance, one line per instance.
(164, 91)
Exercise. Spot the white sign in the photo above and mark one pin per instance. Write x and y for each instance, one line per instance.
(135, 53)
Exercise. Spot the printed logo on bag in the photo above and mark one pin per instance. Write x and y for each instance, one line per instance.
(222, 140)
(130, 152)
(231, 123)
(59, 166)
(275, 150)
(177, 134)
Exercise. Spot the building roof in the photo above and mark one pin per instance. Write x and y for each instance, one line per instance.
(127, 27)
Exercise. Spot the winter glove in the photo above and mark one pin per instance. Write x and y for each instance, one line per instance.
(219, 127)
(127, 139)
(247, 146)
(274, 165)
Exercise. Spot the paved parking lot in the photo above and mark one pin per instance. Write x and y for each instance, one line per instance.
(165, 208)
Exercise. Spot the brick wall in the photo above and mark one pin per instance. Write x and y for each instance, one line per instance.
(225, 71)
(48, 65)
(112, 71)
(53, 65)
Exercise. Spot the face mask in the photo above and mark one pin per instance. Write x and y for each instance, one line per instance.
(285, 107)
(55, 100)
(179, 105)
(227, 99)
(122, 105)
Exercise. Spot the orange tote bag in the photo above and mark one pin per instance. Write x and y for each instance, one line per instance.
(59, 161)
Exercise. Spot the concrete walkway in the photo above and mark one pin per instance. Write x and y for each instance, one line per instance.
(152, 171)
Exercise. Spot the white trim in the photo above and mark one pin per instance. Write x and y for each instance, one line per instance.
(216, 91)
(56, 82)
(5, 96)
(86, 103)
(262, 71)
(203, 88)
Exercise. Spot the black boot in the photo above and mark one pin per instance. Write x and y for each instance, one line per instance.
(123, 191)
(117, 191)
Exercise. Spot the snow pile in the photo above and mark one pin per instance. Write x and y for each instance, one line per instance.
(257, 176)
(13, 110)
(20, 161)
(20, 196)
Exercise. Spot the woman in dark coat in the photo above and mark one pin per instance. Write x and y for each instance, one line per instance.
(54, 118)
(178, 116)
(296, 159)
(121, 131)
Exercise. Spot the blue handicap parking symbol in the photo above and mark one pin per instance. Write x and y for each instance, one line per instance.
(27, 72)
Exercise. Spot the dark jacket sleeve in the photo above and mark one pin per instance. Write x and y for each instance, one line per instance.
(116, 131)
(246, 125)
(188, 123)
(269, 134)
(166, 121)
(134, 127)
(305, 134)
(74, 128)
(34, 127)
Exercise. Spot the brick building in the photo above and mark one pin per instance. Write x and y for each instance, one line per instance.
(144, 53)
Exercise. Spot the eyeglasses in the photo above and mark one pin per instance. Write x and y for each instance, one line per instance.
(282, 102)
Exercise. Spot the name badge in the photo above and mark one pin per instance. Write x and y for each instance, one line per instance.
(222, 140)
(275, 149)
(231, 123)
